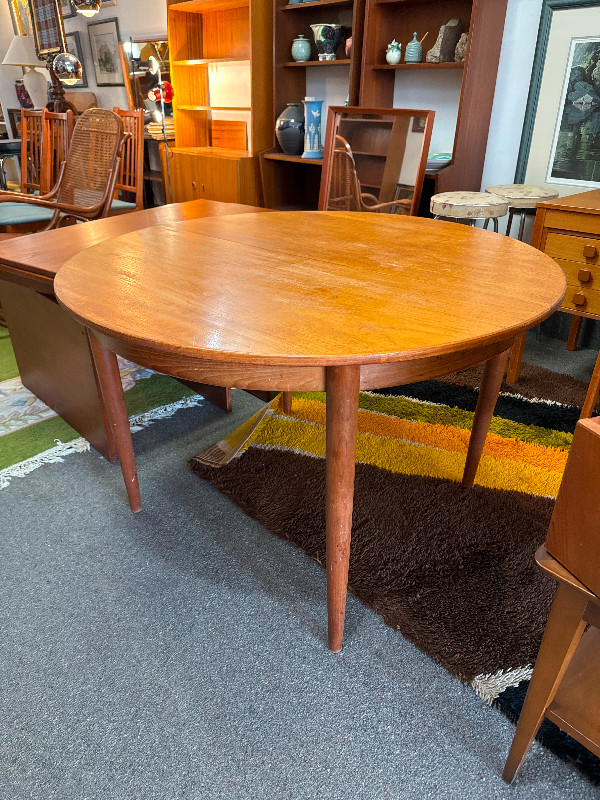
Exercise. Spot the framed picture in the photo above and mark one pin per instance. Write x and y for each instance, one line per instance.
(13, 117)
(74, 48)
(66, 6)
(107, 3)
(19, 11)
(563, 109)
(104, 44)
(48, 30)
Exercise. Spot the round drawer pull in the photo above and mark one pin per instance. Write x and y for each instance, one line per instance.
(584, 275)
(589, 251)
(579, 299)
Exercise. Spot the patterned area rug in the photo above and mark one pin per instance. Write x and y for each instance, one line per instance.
(32, 435)
(452, 569)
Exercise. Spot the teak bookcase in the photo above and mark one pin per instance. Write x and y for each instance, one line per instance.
(484, 22)
(291, 181)
(221, 48)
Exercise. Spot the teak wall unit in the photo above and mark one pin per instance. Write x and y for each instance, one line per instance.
(484, 22)
(290, 181)
(222, 46)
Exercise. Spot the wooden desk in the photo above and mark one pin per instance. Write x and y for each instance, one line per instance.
(321, 301)
(568, 230)
(51, 348)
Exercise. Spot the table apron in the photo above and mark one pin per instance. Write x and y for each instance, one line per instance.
(296, 378)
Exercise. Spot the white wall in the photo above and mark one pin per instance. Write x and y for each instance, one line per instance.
(8, 75)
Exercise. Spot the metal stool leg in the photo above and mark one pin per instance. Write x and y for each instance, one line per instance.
(495, 223)
(511, 214)
(521, 226)
(485, 224)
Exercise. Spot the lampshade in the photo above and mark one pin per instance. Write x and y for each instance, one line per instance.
(21, 53)
(87, 7)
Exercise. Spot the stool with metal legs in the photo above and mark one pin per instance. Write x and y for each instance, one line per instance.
(521, 198)
(469, 206)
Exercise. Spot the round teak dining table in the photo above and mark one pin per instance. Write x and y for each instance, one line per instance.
(310, 301)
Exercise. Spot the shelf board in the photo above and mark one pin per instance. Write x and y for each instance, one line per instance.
(422, 65)
(294, 159)
(213, 108)
(201, 62)
(200, 6)
(317, 63)
(313, 3)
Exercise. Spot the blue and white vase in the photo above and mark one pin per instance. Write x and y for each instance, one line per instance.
(312, 128)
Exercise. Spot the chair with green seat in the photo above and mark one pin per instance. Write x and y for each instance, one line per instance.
(86, 183)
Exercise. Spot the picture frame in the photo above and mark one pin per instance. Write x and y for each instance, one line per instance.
(68, 11)
(13, 118)
(551, 112)
(48, 27)
(21, 18)
(73, 43)
(107, 3)
(104, 46)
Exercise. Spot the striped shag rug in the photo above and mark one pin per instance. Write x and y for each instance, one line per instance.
(452, 569)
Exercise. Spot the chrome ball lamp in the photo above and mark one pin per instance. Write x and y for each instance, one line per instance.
(67, 68)
(87, 7)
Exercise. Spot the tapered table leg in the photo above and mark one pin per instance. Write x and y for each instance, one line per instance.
(342, 384)
(516, 357)
(109, 379)
(486, 402)
(593, 391)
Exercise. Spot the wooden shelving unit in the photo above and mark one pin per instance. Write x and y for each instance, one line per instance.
(221, 65)
(293, 182)
(383, 85)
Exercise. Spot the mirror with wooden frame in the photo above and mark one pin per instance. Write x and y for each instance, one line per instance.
(374, 159)
(137, 82)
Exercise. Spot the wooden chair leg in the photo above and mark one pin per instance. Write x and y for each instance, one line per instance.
(574, 332)
(563, 632)
(591, 398)
(109, 379)
(516, 356)
(287, 402)
(486, 402)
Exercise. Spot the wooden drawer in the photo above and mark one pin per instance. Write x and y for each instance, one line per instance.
(586, 301)
(573, 248)
(586, 276)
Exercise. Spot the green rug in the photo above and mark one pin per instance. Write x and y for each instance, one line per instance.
(31, 434)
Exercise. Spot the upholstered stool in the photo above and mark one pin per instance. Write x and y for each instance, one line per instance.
(469, 206)
(521, 198)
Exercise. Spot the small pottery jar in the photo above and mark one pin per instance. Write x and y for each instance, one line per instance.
(289, 129)
(327, 38)
(301, 48)
(413, 52)
(393, 54)
(312, 128)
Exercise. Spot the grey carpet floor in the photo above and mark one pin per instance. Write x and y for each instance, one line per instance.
(179, 654)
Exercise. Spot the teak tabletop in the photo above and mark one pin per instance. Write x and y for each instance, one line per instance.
(313, 301)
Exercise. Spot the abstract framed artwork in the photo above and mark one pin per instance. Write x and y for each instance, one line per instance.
(73, 43)
(558, 144)
(104, 44)
(19, 10)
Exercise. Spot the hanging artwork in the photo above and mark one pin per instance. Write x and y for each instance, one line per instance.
(74, 48)
(19, 10)
(67, 9)
(104, 44)
(48, 29)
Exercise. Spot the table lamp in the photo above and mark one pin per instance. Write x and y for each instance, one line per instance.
(21, 53)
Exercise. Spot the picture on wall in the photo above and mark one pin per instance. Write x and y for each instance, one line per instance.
(74, 48)
(67, 9)
(575, 157)
(19, 10)
(104, 44)
(106, 3)
(48, 30)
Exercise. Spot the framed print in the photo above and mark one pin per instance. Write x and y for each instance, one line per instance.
(562, 116)
(67, 9)
(48, 30)
(104, 44)
(19, 10)
(107, 3)
(13, 116)
(74, 48)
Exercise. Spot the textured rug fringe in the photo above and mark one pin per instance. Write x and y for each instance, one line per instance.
(489, 687)
(57, 453)
(225, 450)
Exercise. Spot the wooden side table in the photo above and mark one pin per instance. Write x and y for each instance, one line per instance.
(568, 230)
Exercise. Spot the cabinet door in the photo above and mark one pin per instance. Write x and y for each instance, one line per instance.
(203, 177)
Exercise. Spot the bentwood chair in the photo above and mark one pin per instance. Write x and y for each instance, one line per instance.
(564, 687)
(86, 182)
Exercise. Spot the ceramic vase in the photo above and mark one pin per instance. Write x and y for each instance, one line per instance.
(327, 39)
(413, 52)
(289, 129)
(393, 56)
(312, 128)
(301, 48)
